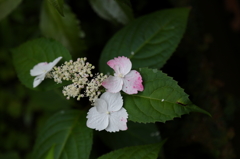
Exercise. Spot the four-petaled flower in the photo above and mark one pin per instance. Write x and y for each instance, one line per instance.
(130, 81)
(40, 70)
(108, 113)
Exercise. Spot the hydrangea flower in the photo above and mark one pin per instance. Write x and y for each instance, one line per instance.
(130, 81)
(40, 70)
(108, 113)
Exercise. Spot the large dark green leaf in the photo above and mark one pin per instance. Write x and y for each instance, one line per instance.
(63, 29)
(7, 6)
(67, 132)
(116, 11)
(58, 4)
(137, 134)
(149, 41)
(33, 52)
(50, 154)
(135, 152)
(161, 100)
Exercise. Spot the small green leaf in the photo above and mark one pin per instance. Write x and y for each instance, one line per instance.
(68, 132)
(27, 55)
(135, 152)
(58, 4)
(7, 6)
(137, 134)
(161, 100)
(65, 29)
(50, 154)
(116, 11)
(149, 41)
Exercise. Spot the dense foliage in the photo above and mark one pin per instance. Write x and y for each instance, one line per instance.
(55, 127)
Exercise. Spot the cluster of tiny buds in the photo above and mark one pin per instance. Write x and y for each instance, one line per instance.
(78, 73)
(92, 89)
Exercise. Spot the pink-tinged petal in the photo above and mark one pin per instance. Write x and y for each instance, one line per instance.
(118, 121)
(113, 84)
(96, 120)
(121, 65)
(114, 101)
(38, 80)
(38, 69)
(101, 105)
(52, 64)
(132, 83)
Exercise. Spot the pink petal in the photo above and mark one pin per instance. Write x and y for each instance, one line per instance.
(121, 65)
(114, 101)
(113, 84)
(132, 83)
(117, 121)
(101, 105)
(96, 120)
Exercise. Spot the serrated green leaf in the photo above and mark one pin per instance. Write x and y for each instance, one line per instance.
(50, 154)
(27, 55)
(162, 99)
(58, 4)
(7, 6)
(135, 152)
(68, 132)
(41, 101)
(63, 29)
(116, 11)
(149, 41)
(137, 134)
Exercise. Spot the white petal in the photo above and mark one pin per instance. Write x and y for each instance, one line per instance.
(52, 64)
(117, 121)
(38, 69)
(114, 101)
(96, 120)
(101, 105)
(121, 65)
(41, 69)
(113, 84)
(38, 80)
(132, 83)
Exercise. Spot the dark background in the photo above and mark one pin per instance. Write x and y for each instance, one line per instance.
(206, 65)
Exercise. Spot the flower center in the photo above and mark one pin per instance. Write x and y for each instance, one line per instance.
(108, 112)
(120, 75)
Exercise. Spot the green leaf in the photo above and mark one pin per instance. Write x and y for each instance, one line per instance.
(41, 101)
(58, 4)
(63, 29)
(50, 154)
(7, 6)
(135, 152)
(27, 55)
(137, 134)
(149, 41)
(161, 100)
(68, 132)
(116, 11)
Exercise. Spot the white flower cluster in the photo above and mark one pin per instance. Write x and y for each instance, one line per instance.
(78, 73)
(92, 89)
(108, 112)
